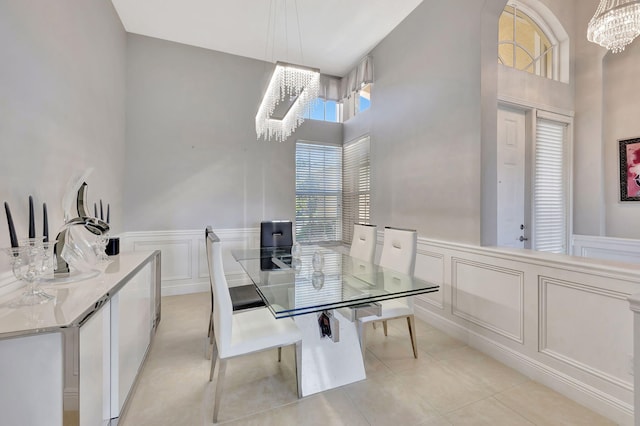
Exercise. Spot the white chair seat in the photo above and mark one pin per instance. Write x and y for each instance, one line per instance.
(258, 330)
(390, 309)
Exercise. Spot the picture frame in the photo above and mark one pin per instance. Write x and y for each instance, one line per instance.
(629, 169)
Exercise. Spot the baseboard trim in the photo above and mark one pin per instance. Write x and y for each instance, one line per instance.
(177, 290)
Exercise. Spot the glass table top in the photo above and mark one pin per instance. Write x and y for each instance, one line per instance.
(291, 287)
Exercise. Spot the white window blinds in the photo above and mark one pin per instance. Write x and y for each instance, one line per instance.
(550, 195)
(356, 186)
(318, 192)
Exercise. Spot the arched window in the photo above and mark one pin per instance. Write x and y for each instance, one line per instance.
(526, 43)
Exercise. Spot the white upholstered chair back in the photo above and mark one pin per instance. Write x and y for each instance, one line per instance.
(399, 250)
(222, 308)
(363, 244)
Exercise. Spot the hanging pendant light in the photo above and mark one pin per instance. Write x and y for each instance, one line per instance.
(615, 24)
(294, 84)
(290, 94)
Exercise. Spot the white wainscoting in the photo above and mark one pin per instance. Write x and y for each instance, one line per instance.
(620, 249)
(561, 320)
(184, 260)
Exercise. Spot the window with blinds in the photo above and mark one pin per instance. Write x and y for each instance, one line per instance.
(318, 192)
(550, 195)
(356, 186)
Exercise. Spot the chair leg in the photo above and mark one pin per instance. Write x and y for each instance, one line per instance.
(214, 359)
(279, 353)
(298, 361)
(412, 334)
(212, 340)
(218, 392)
(384, 327)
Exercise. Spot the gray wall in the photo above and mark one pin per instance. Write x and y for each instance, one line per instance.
(588, 168)
(62, 83)
(191, 153)
(427, 123)
(621, 113)
(607, 89)
(192, 157)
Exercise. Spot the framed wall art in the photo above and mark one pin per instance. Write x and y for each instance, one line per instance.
(630, 169)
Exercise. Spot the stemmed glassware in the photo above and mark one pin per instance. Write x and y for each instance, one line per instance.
(29, 262)
(101, 246)
(317, 278)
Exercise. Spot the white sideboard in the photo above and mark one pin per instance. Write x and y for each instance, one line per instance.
(74, 361)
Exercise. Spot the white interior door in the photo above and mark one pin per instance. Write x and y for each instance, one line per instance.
(512, 229)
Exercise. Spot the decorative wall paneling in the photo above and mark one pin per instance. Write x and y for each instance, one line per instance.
(184, 260)
(561, 320)
(619, 249)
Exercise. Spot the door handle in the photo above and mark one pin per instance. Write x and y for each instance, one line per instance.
(523, 238)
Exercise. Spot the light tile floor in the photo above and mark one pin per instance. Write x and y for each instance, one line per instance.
(449, 384)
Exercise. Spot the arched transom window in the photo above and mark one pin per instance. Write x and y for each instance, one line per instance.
(523, 45)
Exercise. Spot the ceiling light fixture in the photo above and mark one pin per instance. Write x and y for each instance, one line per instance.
(294, 84)
(290, 94)
(615, 24)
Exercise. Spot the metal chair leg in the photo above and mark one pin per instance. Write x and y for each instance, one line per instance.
(214, 359)
(384, 327)
(280, 354)
(412, 334)
(218, 395)
(212, 340)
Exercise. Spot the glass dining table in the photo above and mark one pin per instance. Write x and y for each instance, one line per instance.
(291, 285)
(323, 282)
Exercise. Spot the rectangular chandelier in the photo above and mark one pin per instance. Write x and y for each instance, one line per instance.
(294, 84)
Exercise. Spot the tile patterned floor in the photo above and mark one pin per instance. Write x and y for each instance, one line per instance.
(449, 384)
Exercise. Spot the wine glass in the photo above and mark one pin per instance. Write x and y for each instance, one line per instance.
(296, 251)
(28, 264)
(317, 261)
(101, 246)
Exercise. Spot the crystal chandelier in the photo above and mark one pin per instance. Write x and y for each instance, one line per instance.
(615, 24)
(294, 84)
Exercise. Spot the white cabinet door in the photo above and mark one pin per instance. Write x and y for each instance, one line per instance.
(31, 378)
(130, 334)
(95, 368)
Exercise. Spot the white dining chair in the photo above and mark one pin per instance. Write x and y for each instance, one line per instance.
(244, 332)
(242, 297)
(363, 243)
(398, 255)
